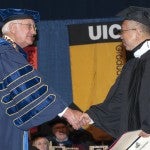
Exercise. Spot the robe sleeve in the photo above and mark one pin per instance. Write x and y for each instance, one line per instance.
(25, 98)
(106, 115)
(144, 97)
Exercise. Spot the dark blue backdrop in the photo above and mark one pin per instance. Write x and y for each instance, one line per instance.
(72, 9)
(53, 53)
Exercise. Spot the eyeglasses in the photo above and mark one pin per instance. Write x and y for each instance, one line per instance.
(29, 26)
(121, 31)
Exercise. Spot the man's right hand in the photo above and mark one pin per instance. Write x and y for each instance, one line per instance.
(73, 117)
(85, 120)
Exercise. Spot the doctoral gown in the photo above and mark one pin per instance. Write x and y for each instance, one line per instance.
(127, 105)
(25, 100)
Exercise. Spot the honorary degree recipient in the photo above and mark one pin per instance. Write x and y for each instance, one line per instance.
(127, 105)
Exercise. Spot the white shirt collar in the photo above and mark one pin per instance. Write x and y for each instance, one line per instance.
(144, 48)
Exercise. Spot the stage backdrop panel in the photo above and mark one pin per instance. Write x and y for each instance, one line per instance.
(97, 57)
(80, 59)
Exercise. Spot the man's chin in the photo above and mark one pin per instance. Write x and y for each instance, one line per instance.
(30, 43)
(126, 47)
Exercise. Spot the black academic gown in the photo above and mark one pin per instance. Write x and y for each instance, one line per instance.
(127, 105)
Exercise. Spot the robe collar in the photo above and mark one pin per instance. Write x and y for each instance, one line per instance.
(62, 141)
(142, 49)
(17, 47)
(11, 41)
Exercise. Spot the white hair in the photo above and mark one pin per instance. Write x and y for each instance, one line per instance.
(6, 27)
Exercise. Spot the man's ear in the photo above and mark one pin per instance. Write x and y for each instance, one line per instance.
(139, 31)
(12, 27)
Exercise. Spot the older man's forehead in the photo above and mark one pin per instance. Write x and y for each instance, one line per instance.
(26, 21)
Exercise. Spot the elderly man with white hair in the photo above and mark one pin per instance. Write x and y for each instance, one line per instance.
(26, 101)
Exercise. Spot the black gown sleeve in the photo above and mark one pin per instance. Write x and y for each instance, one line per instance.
(107, 114)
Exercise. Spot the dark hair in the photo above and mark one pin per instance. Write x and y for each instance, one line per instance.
(37, 135)
(58, 120)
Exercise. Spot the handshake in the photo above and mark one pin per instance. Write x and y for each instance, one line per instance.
(76, 118)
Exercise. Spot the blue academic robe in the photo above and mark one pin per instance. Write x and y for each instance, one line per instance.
(25, 100)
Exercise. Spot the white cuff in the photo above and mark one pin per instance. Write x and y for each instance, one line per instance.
(91, 122)
(61, 114)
